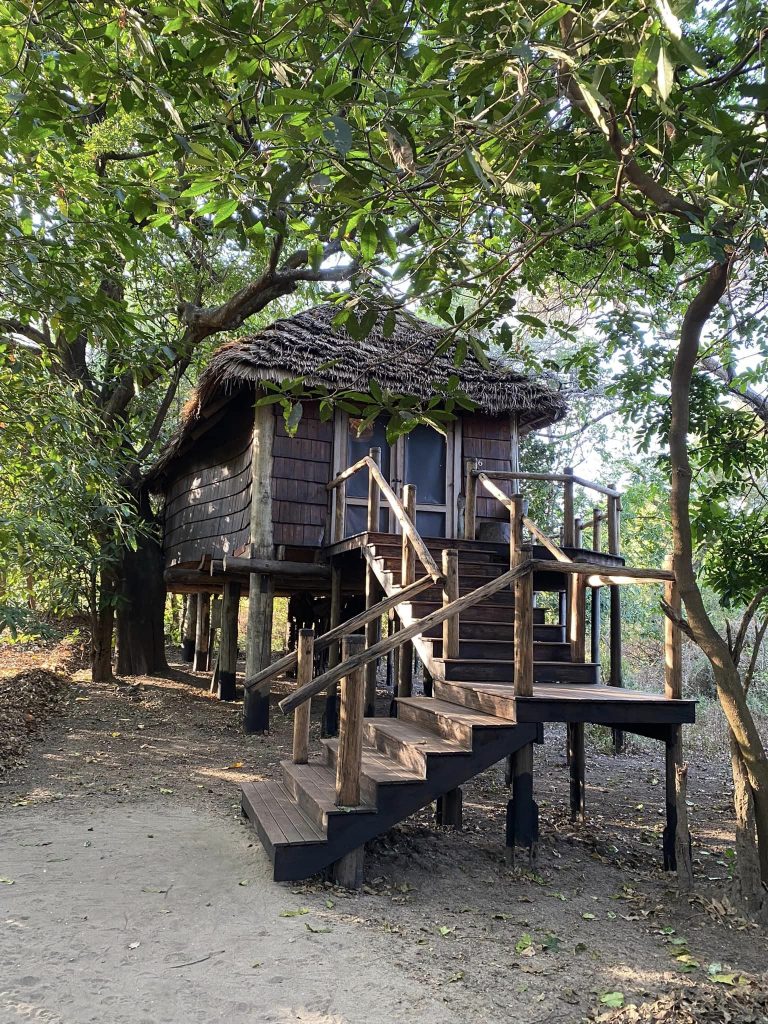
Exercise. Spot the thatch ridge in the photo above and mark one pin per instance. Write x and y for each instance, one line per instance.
(329, 360)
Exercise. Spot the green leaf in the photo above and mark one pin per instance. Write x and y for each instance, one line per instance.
(225, 211)
(295, 913)
(369, 240)
(669, 18)
(524, 942)
(596, 103)
(665, 73)
(614, 999)
(339, 134)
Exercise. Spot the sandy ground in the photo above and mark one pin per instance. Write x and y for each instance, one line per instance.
(146, 913)
(443, 930)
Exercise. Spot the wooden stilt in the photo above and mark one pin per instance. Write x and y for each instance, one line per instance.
(594, 653)
(330, 721)
(202, 631)
(449, 809)
(576, 762)
(230, 608)
(258, 651)
(522, 809)
(190, 627)
(261, 589)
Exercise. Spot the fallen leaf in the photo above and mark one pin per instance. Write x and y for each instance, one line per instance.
(290, 913)
(314, 929)
(524, 942)
(612, 999)
(245, 881)
(588, 917)
(133, 945)
(458, 976)
(445, 930)
(166, 791)
(8, 881)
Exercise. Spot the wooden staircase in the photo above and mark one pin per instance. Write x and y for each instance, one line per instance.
(429, 749)
(486, 631)
(434, 745)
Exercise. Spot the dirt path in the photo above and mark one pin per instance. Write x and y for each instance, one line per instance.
(442, 931)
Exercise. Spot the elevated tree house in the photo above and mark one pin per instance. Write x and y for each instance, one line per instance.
(431, 530)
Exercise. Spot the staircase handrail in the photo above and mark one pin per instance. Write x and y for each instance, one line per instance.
(529, 524)
(406, 524)
(557, 478)
(390, 643)
(290, 660)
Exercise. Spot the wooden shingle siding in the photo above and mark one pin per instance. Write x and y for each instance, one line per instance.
(301, 469)
(489, 439)
(207, 508)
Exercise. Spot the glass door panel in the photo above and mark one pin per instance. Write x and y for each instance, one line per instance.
(425, 460)
(358, 445)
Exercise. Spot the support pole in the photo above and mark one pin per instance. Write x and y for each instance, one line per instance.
(576, 763)
(303, 713)
(595, 596)
(349, 870)
(407, 576)
(261, 589)
(451, 594)
(373, 628)
(470, 493)
(522, 809)
(230, 607)
(523, 633)
(330, 723)
(202, 631)
(449, 809)
(568, 520)
(614, 548)
(190, 629)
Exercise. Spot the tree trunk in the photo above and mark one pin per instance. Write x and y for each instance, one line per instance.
(729, 688)
(141, 610)
(102, 626)
(749, 889)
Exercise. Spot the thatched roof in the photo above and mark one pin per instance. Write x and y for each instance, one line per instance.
(330, 360)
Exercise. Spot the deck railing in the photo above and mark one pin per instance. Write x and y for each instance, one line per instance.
(360, 654)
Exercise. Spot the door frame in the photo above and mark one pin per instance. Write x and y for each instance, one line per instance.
(453, 482)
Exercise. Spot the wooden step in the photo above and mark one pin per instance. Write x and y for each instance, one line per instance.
(503, 631)
(448, 720)
(502, 671)
(378, 773)
(490, 699)
(313, 787)
(411, 746)
(490, 610)
(290, 838)
(475, 574)
(504, 650)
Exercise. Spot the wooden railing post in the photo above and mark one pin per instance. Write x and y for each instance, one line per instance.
(470, 493)
(301, 716)
(407, 576)
(340, 492)
(451, 594)
(673, 648)
(350, 750)
(523, 636)
(202, 630)
(614, 548)
(330, 724)
(568, 521)
(577, 625)
(373, 628)
(374, 497)
(595, 636)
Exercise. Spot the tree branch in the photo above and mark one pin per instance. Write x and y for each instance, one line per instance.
(748, 396)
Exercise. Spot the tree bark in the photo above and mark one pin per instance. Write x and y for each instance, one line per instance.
(729, 688)
(102, 626)
(141, 608)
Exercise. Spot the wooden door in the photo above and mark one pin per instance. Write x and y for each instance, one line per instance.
(425, 457)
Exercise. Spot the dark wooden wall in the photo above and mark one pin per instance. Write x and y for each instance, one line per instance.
(208, 498)
(302, 466)
(489, 439)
